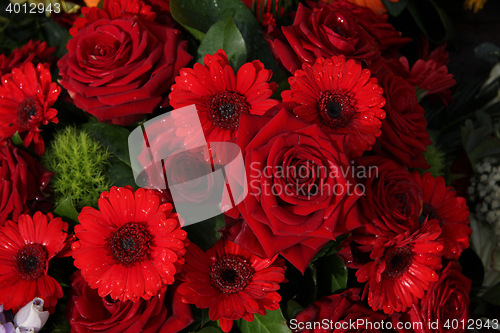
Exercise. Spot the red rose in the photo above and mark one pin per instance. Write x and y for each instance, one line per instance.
(88, 312)
(393, 198)
(323, 32)
(387, 38)
(446, 301)
(118, 70)
(113, 9)
(22, 180)
(404, 130)
(191, 178)
(300, 193)
(338, 311)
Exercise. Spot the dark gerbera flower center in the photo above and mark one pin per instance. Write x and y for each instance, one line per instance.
(397, 261)
(429, 213)
(30, 261)
(28, 109)
(129, 243)
(225, 109)
(336, 109)
(230, 273)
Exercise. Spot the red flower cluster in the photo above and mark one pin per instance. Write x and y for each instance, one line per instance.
(34, 51)
(410, 223)
(324, 30)
(332, 158)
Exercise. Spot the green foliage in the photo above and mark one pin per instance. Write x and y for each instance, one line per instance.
(112, 137)
(436, 159)
(432, 20)
(115, 139)
(293, 308)
(78, 163)
(67, 211)
(197, 16)
(272, 322)
(57, 322)
(330, 248)
(224, 35)
(480, 141)
(205, 234)
(331, 275)
(395, 8)
(446, 124)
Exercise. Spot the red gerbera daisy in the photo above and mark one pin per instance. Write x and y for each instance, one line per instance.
(26, 97)
(33, 51)
(26, 247)
(132, 247)
(231, 282)
(220, 96)
(341, 97)
(402, 268)
(452, 213)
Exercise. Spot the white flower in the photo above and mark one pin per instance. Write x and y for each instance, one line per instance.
(31, 317)
(486, 190)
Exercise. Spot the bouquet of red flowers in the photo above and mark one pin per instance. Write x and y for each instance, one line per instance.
(242, 166)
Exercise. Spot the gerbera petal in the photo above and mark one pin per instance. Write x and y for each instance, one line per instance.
(130, 228)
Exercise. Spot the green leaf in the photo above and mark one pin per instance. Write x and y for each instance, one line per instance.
(67, 211)
(224, 35)
(195, 18)
(114, 138)
(119, 173)
(292, 308)
(272, 322)
(432, 20)
(16, 140)
(205, 234)
(330, 248)
(199, 15)
(205, 318)
(331, 275)
(493, 295)
(395, 8)
(53, 32)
